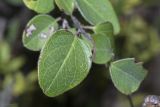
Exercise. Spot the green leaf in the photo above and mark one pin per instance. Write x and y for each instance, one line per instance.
(14, 65)
(96, 12)
(105, 28)
(103, 40)
(64, 62)
(38, 30)
(19, 86)
(103, 49)
(15, 2)
(73, 30)
(40, 6)
(66, 5)
(127, 75)
(5, 53)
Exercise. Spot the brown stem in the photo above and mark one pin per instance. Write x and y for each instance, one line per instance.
(130, 100)
(80, 28)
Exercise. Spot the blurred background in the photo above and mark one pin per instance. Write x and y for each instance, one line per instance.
(139, 38)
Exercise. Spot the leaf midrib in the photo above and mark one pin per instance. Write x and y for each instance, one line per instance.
(66, 58)
(125, 72)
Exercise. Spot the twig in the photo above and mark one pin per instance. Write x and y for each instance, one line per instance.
(65, 24)
(80, 28)
(58, 19)
(85, 34)
(130, 100)
(88, 27)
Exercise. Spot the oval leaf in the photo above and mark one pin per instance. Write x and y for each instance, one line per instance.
(96, 12)
(64, 62)
(105, 28)
(66, 5)
(40, 6)
(103, 49)
(38, 30)
(127, 75)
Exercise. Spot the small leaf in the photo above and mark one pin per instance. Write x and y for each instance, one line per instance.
(103, 49)
(66, 5)
(64, 62)
(19, 86)
(127, 75)
(14, 65)
(105, 28)
(96, 12)
(40, 6)
(5, 53)
(104, 43)
(38, 30)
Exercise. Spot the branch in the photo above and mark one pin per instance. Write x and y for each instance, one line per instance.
(78, 25)
(65, 24)
(130, 100)
(88, 27)
(80, 28)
